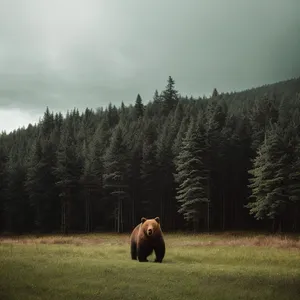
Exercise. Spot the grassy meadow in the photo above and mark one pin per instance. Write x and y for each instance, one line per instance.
(98, 266)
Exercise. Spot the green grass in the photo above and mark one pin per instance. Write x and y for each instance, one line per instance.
(98, 266)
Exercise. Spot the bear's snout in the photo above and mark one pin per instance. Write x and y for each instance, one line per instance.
(149, 231)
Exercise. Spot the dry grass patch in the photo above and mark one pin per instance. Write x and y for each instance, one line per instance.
(263, 241)
(173, 240)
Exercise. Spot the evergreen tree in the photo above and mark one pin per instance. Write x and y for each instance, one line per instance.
(169, 96)
(139, 107)
(149, 172)
(112, 116)
(184, 125)
(269, 183)
(68, 172)
(262, 113)
(191, 175)
(115, 174)
(166, 167)
(18, 214)
(292, 142)
(47, 125)
(215, 93)
(35, 172)
(294, 189)
(154, 108)
(214, 117)
(67, 168)
(175, 125)
(40, 185)
(156, 97)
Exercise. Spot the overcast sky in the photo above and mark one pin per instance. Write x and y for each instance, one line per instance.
(86, 53)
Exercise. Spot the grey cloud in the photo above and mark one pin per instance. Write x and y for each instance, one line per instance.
(88, 53)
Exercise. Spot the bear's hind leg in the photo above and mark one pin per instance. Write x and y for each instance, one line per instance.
(133, 251)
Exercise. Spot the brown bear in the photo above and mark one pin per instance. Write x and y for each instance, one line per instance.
(146, 237)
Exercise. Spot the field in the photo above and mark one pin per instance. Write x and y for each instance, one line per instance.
(98, 266)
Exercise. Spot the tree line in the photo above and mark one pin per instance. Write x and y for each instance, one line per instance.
(230, 161)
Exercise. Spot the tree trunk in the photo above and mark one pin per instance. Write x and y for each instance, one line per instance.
(91, 209)
(208, 213)
(87, 210)
(274, 226)
(295, 219)
(116, 217)
(133, 211)
(208, 204)
(223, 211)
(280, 225)
(161, 210)
(63, 215)
(38, 216)
(196, 223)
(68, 211)
(121, 215)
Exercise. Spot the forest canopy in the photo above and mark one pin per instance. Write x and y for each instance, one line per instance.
(230, 161)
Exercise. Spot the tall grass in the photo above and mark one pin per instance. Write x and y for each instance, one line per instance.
(98, 266)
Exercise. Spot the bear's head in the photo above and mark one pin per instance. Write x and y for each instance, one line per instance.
(151, 226)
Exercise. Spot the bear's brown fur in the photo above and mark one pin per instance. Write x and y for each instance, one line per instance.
(146, 237)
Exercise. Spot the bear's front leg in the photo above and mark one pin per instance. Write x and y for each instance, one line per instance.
(142, 253)
(160, 250)
(142, 259)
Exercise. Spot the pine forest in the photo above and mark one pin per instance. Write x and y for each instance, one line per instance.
(230, 161)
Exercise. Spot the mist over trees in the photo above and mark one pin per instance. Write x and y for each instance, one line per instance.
(227, 162)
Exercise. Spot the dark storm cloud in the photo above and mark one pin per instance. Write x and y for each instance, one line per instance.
(87, 53)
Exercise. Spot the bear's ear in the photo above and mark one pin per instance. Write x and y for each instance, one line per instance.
(157, 219)
(143, 219)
